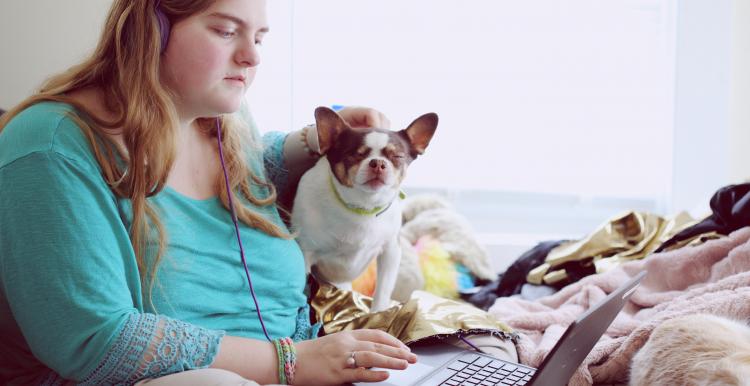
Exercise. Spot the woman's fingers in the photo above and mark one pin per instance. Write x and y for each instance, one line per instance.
(365, 360)
(362, 374)
(357, 116)
(390, 351)
(380, 349)
(370, 359)
(378, 336)
(374, 118)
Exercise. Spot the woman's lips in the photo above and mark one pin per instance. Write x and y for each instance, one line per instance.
(238, 81)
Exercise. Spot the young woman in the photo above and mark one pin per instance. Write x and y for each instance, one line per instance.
(120, 262)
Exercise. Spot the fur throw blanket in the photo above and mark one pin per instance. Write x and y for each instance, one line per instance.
(431, 215)
(713, 278)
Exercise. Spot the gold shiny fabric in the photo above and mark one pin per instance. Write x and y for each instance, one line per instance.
(423, 316)
(629, 236)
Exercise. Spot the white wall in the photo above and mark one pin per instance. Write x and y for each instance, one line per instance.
(739, 107)
(539, 89)
(712, 113)
(39, 38)
(712, 107)
(703, 76)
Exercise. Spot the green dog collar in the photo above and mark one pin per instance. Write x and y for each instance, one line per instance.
(377, 211)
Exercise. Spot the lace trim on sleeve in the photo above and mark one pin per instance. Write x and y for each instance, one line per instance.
(150, 346)
(305, 331)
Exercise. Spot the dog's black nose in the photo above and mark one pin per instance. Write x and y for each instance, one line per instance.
(377, 164)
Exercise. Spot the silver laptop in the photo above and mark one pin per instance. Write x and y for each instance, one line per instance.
(443, 364)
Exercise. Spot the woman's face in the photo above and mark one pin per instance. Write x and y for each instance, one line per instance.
(212, 56)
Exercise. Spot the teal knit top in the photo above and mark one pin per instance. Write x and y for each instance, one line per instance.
(72, 305)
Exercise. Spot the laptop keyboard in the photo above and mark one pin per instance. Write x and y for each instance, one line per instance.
(475, 370)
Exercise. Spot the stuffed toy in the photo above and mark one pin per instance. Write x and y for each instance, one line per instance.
(439, 252)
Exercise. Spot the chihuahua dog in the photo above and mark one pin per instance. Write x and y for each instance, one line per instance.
(347, 210)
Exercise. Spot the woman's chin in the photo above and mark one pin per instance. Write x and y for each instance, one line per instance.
(228, 106)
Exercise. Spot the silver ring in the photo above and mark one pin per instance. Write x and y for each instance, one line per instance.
(351, 362)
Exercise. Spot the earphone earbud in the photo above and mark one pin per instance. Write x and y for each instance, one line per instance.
(164, 25)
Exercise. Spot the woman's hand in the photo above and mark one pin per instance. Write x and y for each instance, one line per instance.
(364, 117)
(323, 361)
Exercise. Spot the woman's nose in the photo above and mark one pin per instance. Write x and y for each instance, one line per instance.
(249, 55)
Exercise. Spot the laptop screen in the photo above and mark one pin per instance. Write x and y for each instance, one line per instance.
(581, 336)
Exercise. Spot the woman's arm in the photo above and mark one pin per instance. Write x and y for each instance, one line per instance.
(68, 271)
(320, 361)
(252, 359)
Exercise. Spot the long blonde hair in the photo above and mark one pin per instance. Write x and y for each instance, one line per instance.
(125, 67)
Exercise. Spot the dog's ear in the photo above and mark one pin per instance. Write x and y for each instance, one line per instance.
(329, 125)
(420, 132)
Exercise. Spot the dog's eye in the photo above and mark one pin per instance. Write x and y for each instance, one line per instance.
(397, 159)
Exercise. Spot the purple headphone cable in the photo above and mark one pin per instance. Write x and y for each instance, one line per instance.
(164, 27)
(237, 228)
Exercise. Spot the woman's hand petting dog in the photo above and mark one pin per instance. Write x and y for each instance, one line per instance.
(364, 117)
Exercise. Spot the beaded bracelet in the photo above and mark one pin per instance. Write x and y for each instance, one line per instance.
(287, 357)
(290, 359)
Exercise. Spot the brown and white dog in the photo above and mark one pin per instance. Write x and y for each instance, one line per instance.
(347, 209)
(694, 350)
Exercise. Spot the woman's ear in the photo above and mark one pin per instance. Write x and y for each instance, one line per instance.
(329, 126)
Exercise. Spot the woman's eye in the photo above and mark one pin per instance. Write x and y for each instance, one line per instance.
(225, 34)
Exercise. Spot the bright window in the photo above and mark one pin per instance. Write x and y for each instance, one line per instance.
(539, 101)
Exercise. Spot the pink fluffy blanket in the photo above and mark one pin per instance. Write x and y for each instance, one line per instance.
(711, 278)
